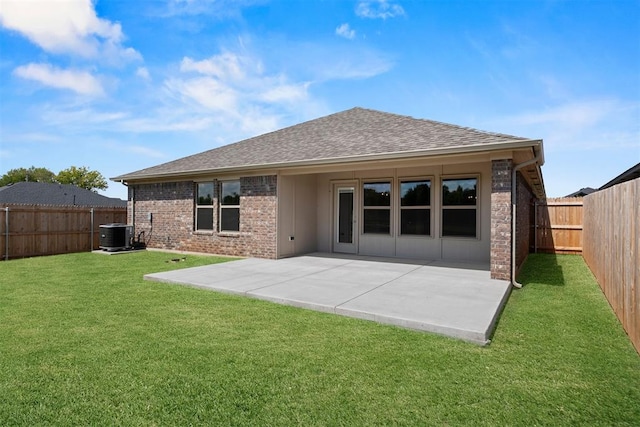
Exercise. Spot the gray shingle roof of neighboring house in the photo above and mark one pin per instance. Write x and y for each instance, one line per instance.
(355, 134)
(582, 192)
(44, 193)
(632, 173)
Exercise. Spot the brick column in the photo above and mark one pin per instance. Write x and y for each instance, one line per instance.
(501, 219)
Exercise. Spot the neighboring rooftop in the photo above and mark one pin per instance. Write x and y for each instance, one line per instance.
(632, 173)
(582, 192)
(44, 193)
(354, 134)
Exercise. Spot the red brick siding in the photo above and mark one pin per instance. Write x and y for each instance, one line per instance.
(501, 219)
(523, 219)
(173, 209)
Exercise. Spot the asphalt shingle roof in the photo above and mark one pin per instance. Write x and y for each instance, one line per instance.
(351, 133)
(43, 193)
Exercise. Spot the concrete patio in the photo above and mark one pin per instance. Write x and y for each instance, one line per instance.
(452, 299)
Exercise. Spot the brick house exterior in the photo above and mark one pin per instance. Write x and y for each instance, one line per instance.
(294, 185)
(501, 219)
(171, 225)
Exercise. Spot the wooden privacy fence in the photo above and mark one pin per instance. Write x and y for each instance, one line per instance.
(557, 226)
(612, 250)
(28, 230)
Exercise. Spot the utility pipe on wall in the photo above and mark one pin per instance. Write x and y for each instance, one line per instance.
(514, 197)
(131, 194)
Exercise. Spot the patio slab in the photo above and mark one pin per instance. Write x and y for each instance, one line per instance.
(453, 299)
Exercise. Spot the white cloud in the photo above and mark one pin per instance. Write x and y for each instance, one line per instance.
(345, 31)
(35, 137)
(143, 73)
(580, 125)
(362, 65)
(218, 8)
(224, 66)
(206, 91)
(286, 93)
(571, 115)
(69, 27)
(81, 82)
(236, 93)
(230, 82)
(76, 117)
(143, 151)
(378, 9)
(166, 123)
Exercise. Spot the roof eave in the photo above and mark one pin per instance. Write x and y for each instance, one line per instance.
(396, 155)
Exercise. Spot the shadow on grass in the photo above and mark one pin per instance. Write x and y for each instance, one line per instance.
(542, 269)
(537, 269)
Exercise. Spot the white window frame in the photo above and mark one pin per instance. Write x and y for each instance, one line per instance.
(476, 207)
(389, 208)
(431, 181)
(199, 207)
(223, 206)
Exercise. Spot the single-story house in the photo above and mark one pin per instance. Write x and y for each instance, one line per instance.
(52, 194)
(356, 182)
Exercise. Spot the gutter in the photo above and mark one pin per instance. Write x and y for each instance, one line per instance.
(432, 152)
(539, 161)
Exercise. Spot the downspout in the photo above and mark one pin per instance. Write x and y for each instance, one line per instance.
(133, 207)
(514, 197)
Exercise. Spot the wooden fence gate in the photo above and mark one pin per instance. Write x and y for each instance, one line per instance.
(557, 226)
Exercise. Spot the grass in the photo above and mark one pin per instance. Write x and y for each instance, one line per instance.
(85, 341)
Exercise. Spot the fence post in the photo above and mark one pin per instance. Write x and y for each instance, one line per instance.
(6, 233)
(91, 234)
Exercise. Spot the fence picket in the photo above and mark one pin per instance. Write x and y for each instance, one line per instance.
(611, 243)
(558, 226)
(31, 230)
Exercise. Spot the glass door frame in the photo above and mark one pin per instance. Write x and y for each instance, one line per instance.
(344, 187)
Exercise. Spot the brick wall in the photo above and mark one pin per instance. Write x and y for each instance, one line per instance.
(501, 219)
(524, 219)
(173, 209)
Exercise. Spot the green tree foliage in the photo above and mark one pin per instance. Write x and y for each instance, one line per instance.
(33, 174)
(82, 177)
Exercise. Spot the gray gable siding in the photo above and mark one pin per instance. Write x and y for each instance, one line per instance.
(352, 133)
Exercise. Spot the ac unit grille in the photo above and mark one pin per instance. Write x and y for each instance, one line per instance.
(115, 237)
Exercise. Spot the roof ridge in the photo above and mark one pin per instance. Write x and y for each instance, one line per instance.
(438, 122)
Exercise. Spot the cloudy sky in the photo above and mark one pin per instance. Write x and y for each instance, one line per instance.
(119, 85)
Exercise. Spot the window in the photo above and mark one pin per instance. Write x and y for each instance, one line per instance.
(459, 207)
(204, 206)
(377, 207)
(415, 207)
(230, 206)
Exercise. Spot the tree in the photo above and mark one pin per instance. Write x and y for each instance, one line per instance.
(82, 177)
(33, 174)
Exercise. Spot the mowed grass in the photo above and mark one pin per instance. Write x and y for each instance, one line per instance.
(85, 341)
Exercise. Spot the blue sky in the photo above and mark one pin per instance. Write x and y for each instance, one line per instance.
(118, 85)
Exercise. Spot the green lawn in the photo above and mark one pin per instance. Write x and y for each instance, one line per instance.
(85, 341)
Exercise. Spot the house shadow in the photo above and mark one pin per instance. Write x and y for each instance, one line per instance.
(541, 269)
(541, 238)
